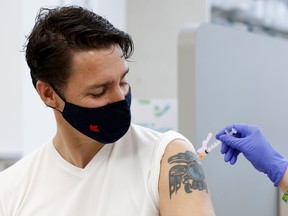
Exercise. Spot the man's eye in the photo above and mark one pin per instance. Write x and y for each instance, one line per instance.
(96, 95)
(98, 92)
(123, 84)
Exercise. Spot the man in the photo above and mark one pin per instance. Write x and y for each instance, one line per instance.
(98, 163)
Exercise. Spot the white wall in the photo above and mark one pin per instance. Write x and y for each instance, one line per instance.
(11, 127)
(154, 26)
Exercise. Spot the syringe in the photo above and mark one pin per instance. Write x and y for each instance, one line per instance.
(201, 155)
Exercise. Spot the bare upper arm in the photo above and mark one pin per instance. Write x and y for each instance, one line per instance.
(182, 184)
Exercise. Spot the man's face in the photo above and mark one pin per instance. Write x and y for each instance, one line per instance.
(97, 77)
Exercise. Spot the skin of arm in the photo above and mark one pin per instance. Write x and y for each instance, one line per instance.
(283, 184)
(182, 185)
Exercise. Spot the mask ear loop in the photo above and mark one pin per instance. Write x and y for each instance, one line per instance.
(59, 95)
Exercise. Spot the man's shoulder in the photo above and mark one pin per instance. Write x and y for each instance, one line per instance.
(135, 128)
(146, 134)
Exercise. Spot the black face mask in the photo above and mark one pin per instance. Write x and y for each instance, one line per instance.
(105, 124)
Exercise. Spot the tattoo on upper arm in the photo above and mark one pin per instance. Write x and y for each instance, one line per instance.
(187, 171)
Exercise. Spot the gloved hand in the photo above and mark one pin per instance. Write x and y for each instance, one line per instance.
(250, 141)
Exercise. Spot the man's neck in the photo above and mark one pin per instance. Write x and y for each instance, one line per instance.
(76, 151)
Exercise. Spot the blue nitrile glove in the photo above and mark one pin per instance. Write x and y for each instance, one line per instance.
(250, 141)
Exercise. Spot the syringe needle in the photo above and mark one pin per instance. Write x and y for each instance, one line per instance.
(201, 155)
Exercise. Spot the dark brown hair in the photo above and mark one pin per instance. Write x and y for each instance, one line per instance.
(59, 32)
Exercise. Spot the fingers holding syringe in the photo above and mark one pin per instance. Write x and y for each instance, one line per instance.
(230, 153)
(230, 144)
(241, 131)
(235, 141)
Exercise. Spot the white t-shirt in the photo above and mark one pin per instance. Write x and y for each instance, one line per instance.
(121, 179)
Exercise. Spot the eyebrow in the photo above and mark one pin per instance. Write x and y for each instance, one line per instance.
(107, 82)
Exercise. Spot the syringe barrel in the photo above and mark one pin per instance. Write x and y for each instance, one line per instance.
(213, 145)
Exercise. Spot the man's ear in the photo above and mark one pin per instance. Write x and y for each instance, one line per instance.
(47, 94)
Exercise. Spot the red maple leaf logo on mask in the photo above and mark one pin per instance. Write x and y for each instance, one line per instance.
(94, 128)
